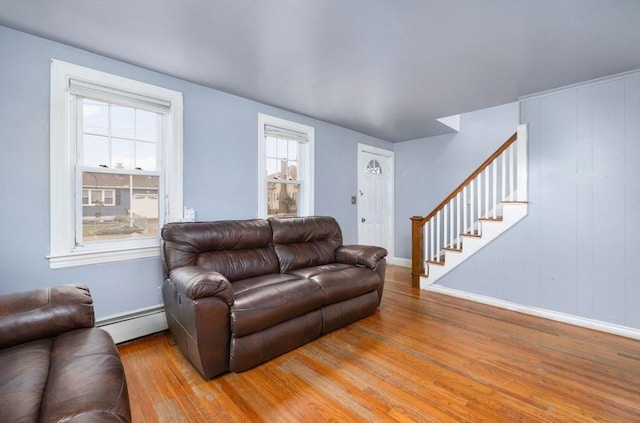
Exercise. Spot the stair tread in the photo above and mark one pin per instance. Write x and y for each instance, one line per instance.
(456, 249)
(491, 219)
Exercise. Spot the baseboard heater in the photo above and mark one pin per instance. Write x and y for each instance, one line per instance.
(127, 326)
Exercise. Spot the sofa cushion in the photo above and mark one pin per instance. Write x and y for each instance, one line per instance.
(305, 241)
(244, 285)
(23, 375)
(86, 378)
(265, 301)
(249, 351)
(309, 272)
(237, 249)
(343, 283)
(338, 315)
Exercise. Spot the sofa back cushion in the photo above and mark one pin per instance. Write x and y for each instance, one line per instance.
(237, 249)
(305, 241)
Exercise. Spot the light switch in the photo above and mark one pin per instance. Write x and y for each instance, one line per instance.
(353, 199)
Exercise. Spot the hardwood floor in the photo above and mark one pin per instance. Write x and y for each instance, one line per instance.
(423, 357)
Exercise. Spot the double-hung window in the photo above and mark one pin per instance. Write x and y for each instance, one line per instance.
(285, 168)
(116, 165)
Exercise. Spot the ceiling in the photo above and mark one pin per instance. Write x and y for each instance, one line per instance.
(385, 68)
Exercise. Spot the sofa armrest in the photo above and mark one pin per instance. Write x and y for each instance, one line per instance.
(44, 313)
(196, 282)
(360, 255)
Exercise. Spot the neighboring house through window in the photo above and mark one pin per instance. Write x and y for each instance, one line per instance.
(285, 168)
(116, 165)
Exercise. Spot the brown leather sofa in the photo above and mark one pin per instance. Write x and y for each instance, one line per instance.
(54, 365)
(239, 293)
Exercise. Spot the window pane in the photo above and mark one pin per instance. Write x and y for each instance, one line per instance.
(121, 154)
(95, 150)
(293, 150)
(282, 148)
(145, 155)
(272, 147)
(272, 168)
(374, 167)
(122, 121)
(146, 125)
(129, 211)
(109, 197)
(95, 117)
(85, 197)
(292, 171)
(95, 197)
(282, 199)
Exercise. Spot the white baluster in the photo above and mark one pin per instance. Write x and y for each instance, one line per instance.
(451, 222)
(503, 173)
(472, 204)
(512, 163)
(479, 196)
(465, 202)
(458, 216)
(435, 253)
(494, 184)
(445, 226)
(486, 192)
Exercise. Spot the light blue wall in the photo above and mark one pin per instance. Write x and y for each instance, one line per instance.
(577, 250)
(220, 170)
(428, 169)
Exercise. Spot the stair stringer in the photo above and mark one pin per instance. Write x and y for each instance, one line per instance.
(512, 213)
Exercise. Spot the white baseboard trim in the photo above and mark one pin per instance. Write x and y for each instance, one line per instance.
(571, 319)
(128, 326)
(399, 261)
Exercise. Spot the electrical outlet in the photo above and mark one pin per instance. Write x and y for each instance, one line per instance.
(189, 215)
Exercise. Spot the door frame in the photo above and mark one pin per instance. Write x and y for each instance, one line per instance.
(390, 220)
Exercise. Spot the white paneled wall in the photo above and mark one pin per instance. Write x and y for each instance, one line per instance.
(578, 250)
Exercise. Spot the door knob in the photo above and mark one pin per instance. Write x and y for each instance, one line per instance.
(362, 219)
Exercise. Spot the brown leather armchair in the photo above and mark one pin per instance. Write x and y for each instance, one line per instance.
(55, 365)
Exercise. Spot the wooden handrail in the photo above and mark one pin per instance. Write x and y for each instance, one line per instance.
(479, 170)
(418, 222)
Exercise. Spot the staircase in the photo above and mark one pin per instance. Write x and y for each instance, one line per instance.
(486, 204)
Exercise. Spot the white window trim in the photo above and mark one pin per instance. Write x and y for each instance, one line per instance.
(306, 194)
(63, 251)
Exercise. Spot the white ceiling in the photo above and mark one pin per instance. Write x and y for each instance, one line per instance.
(381, 67)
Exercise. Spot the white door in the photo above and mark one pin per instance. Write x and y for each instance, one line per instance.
(375, 197)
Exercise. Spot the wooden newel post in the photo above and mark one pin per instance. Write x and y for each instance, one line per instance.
(417, 250)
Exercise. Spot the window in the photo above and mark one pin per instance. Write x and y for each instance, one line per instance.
(374, 167)
(116, 166)
(285, 168)
(98, 197)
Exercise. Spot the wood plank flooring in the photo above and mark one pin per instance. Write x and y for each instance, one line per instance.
(423, 357)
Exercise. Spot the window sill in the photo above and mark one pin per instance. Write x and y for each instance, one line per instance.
(83, 258)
